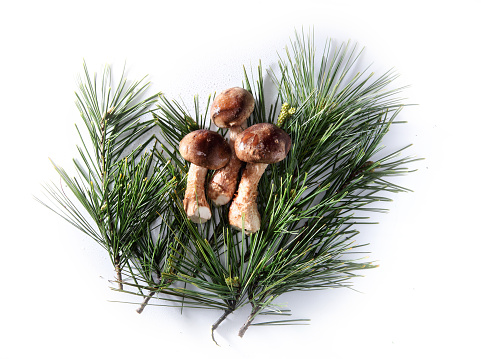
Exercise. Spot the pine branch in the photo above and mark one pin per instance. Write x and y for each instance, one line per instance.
(119, 190)
(309, 203)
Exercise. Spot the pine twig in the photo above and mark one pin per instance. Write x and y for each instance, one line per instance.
(219, 321)
(145, 302)
(119, 189)
(249, 321)
(309, 201)
(118, 271)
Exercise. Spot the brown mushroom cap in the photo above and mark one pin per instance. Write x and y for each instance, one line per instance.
(262, 143)
(205, 148)
(232, 107)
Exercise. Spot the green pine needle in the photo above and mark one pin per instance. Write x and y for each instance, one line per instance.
(117, 192)
(311, 203)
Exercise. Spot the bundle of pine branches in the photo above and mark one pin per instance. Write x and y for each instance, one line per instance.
(130, 201)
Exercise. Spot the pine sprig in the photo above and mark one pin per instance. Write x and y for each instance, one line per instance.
(116, 191)
(310, 202)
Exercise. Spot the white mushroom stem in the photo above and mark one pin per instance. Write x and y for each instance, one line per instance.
(195, 203)
(222, 186)
(245, 203)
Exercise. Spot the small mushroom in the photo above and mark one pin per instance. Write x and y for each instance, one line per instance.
(258, 145)
(205, 150)
(230, 109)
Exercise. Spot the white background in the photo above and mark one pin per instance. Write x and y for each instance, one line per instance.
(423, 299)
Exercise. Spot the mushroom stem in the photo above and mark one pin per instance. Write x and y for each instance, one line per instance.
(222, 186)
(245, 203)
(195, 203)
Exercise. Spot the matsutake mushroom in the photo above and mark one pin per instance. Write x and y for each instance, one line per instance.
(230, 109)
(259, 145)
(205, 150)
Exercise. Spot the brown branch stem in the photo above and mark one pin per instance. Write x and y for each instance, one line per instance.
(249, 321)
(118, 270)
(145, 302)
(220, 320)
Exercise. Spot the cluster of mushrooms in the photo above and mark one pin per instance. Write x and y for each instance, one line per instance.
(257, 146)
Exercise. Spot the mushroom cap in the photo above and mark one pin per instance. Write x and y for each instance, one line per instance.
(206, 149)
(262, 143)
(232, 107)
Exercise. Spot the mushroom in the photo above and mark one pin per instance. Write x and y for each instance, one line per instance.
(230, 109)
(258, 145)
(205, 150)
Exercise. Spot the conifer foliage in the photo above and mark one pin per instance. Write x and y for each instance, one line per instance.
(312, 203)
